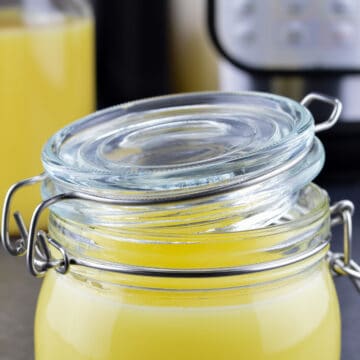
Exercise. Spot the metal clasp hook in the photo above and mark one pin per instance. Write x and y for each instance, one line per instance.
(342, 263)
(35, 243)
(335, 114)
(16, 247)
(38, 256)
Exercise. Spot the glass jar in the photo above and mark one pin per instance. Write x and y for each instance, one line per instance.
(187, 227)
(46, 80)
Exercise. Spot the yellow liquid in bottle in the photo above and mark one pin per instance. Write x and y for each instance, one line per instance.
(46, 81)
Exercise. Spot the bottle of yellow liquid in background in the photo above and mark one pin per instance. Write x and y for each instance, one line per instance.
(46, 81)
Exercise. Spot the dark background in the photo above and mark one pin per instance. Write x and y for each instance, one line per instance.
(132, 53)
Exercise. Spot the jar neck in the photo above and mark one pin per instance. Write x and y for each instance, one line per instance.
(206, 235)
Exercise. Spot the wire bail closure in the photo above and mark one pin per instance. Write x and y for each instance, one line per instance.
(35, 244)
(16, 247)
(335, 114)
(39, 257)
(342, 263)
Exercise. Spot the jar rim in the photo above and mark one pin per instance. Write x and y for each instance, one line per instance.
(183, 145)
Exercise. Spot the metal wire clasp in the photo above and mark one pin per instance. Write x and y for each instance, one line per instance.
(21, 245)
(39, 259)
(335, 114)
(34, 243)
(16, 247)
(341, 263)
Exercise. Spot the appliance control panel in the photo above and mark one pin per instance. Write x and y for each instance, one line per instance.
(289, 34)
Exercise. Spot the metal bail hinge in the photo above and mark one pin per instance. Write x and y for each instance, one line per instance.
(16, 247)
(335, 114)
(342, 264)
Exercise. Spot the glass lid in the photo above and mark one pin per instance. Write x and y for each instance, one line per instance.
(184, 146)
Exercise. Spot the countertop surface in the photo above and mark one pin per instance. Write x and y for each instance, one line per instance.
(18, 292)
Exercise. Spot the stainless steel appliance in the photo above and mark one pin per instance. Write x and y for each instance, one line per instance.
(292, 47)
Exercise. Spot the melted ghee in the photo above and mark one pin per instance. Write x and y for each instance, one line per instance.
(293, 318)
(47, 81)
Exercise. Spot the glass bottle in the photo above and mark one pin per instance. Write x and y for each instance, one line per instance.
(46, 79)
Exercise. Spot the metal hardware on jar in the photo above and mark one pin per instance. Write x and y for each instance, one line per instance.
(341, 263)
(335, 114)
(35, 244)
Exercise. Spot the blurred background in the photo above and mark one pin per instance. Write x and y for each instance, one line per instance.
(288, 47)
(54, 71)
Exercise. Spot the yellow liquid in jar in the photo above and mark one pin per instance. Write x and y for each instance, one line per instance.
(290, 313)
(290, 319)
(46, 81)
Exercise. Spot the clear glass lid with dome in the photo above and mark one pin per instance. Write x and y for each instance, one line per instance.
(253, 152)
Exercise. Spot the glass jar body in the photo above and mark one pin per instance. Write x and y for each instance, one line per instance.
(140, 225)
(294, 317)
(46, 76)
(285, 309)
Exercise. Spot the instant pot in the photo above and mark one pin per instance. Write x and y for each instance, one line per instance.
(292, 47)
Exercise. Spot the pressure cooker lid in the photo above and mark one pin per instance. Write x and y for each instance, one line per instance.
(184, 145)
